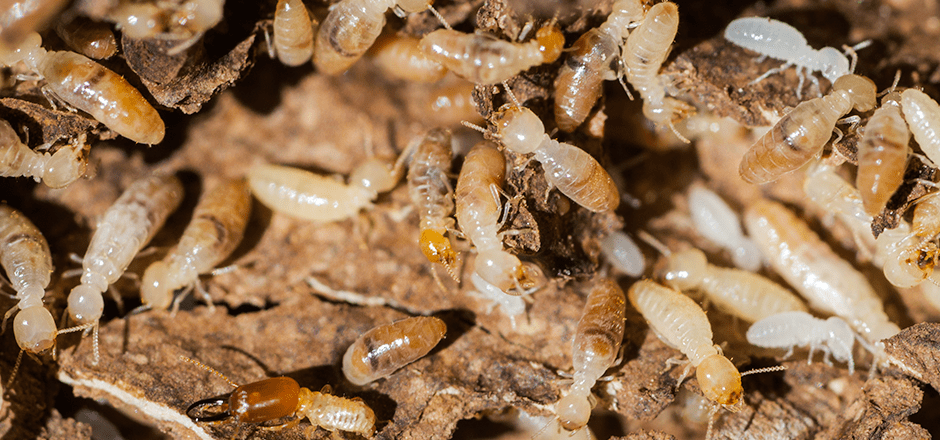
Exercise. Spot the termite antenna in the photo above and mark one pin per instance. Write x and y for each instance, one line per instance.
(209, 369)
(712, 416)
(678, 135)
(16, 369)
(764, 370)
(652, 241)
(894, 85)
(79, 328)
(440, 18)
(623, 83)
(512, 96)
(137, 310)
(851, 52)
(473, 126)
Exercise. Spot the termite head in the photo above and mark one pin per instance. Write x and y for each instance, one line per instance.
(573, 410)
(719, 380)
(34, 329)
(24, 51)
(437, 249)
(837, 65)
(685, 270)
(551, 42)
(197, 16)
(375, 175)
(65, 168)
(85, 304)
(519, 129)
(159, 282)
(506, 272)
(902, 268)
(411, 6)
(861, 91)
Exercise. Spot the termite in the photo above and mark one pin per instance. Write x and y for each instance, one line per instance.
(400, 56)
(912, 258)
(781, 41)
(882, 154)
(623, 254)
(796, 328)
(484, 59)
(88, 37)
(215, 231)
(293, 32)
(478, 211)
(595, 348)
(826, 188)
(922, 114)
(570, 169)
(593, 59)
(644, 54)
(278, 397)
(92, 88)
(433, 195)
(20, 18)
(56, 170)
(350, 29)
(801, 134)
(384, 349)
(449, 103)
(717, 222)
(682, 324)
(829, 283)
(187, 21)
(510, 305)
(309, 196)
(122, 232)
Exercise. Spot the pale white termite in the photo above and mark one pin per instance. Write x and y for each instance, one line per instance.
(882, 154)
(781, 41)
(309, 196)
(478, 211)
(215, 231)
(717, 222)
(594, 349)
(91, 38)
(792, 329)
(187, 21)
(912, 258)
(433, 195)
(56, 170)
(92, 88)
(681, 323)
(293, 32)
(829, 283)
(744, 294)
(801, 135)
(484, 59)
(644, 54)
(593, 59)
(623, 254)
(400, 56)
(922, 114)
(121, 233)
(384, 349)
(570, 169)
(509, 305)
(351, 28)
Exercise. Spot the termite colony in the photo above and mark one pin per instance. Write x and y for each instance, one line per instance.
(434, 213)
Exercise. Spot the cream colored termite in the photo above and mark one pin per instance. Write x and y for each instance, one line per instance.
(912, 259)
(215, 231)
(829, 283)
(595, 348)
(293, 32)
(717, 222)
(21, 18)
(623, 254)
(432, 194)
(384, 349)
(591, 61)
(56, 170)
(90, 38)
(484, 59)
(644, 54)
(400, 56)
(124, 229)
(185, 22)
(882, 154)
(801, 134)
(92, 88)
(350, 29)
(790, 329)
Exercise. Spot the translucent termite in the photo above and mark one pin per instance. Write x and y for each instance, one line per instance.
(350, 29)
(802, 133)
(293, 32)
(400, 56)
(913, 257)
(124, 229)
(309, 196)
(836, 196)
(21, 18)
(88, 37)
(509, 305)
(279, 397)
(485, 59)
(92, 88)
(56, 170)
(744, 294)
(829, 283)
(570, 169)
(215, 231)
(781, 41)
(922, 114)
(681, 323)
(478, 210)
(644, 54)
(792, 329)
(446, 105)
(623, 254)
(595, 348)
(433, 195)
(384, 349)
(717, 222)
(186, 21)
(882, 154)
(593, 59)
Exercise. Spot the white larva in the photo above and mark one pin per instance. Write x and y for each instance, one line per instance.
(717, 222)
(122, 232)
(796, 329)
(56, 170)
(922, 114)
(623, 254)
